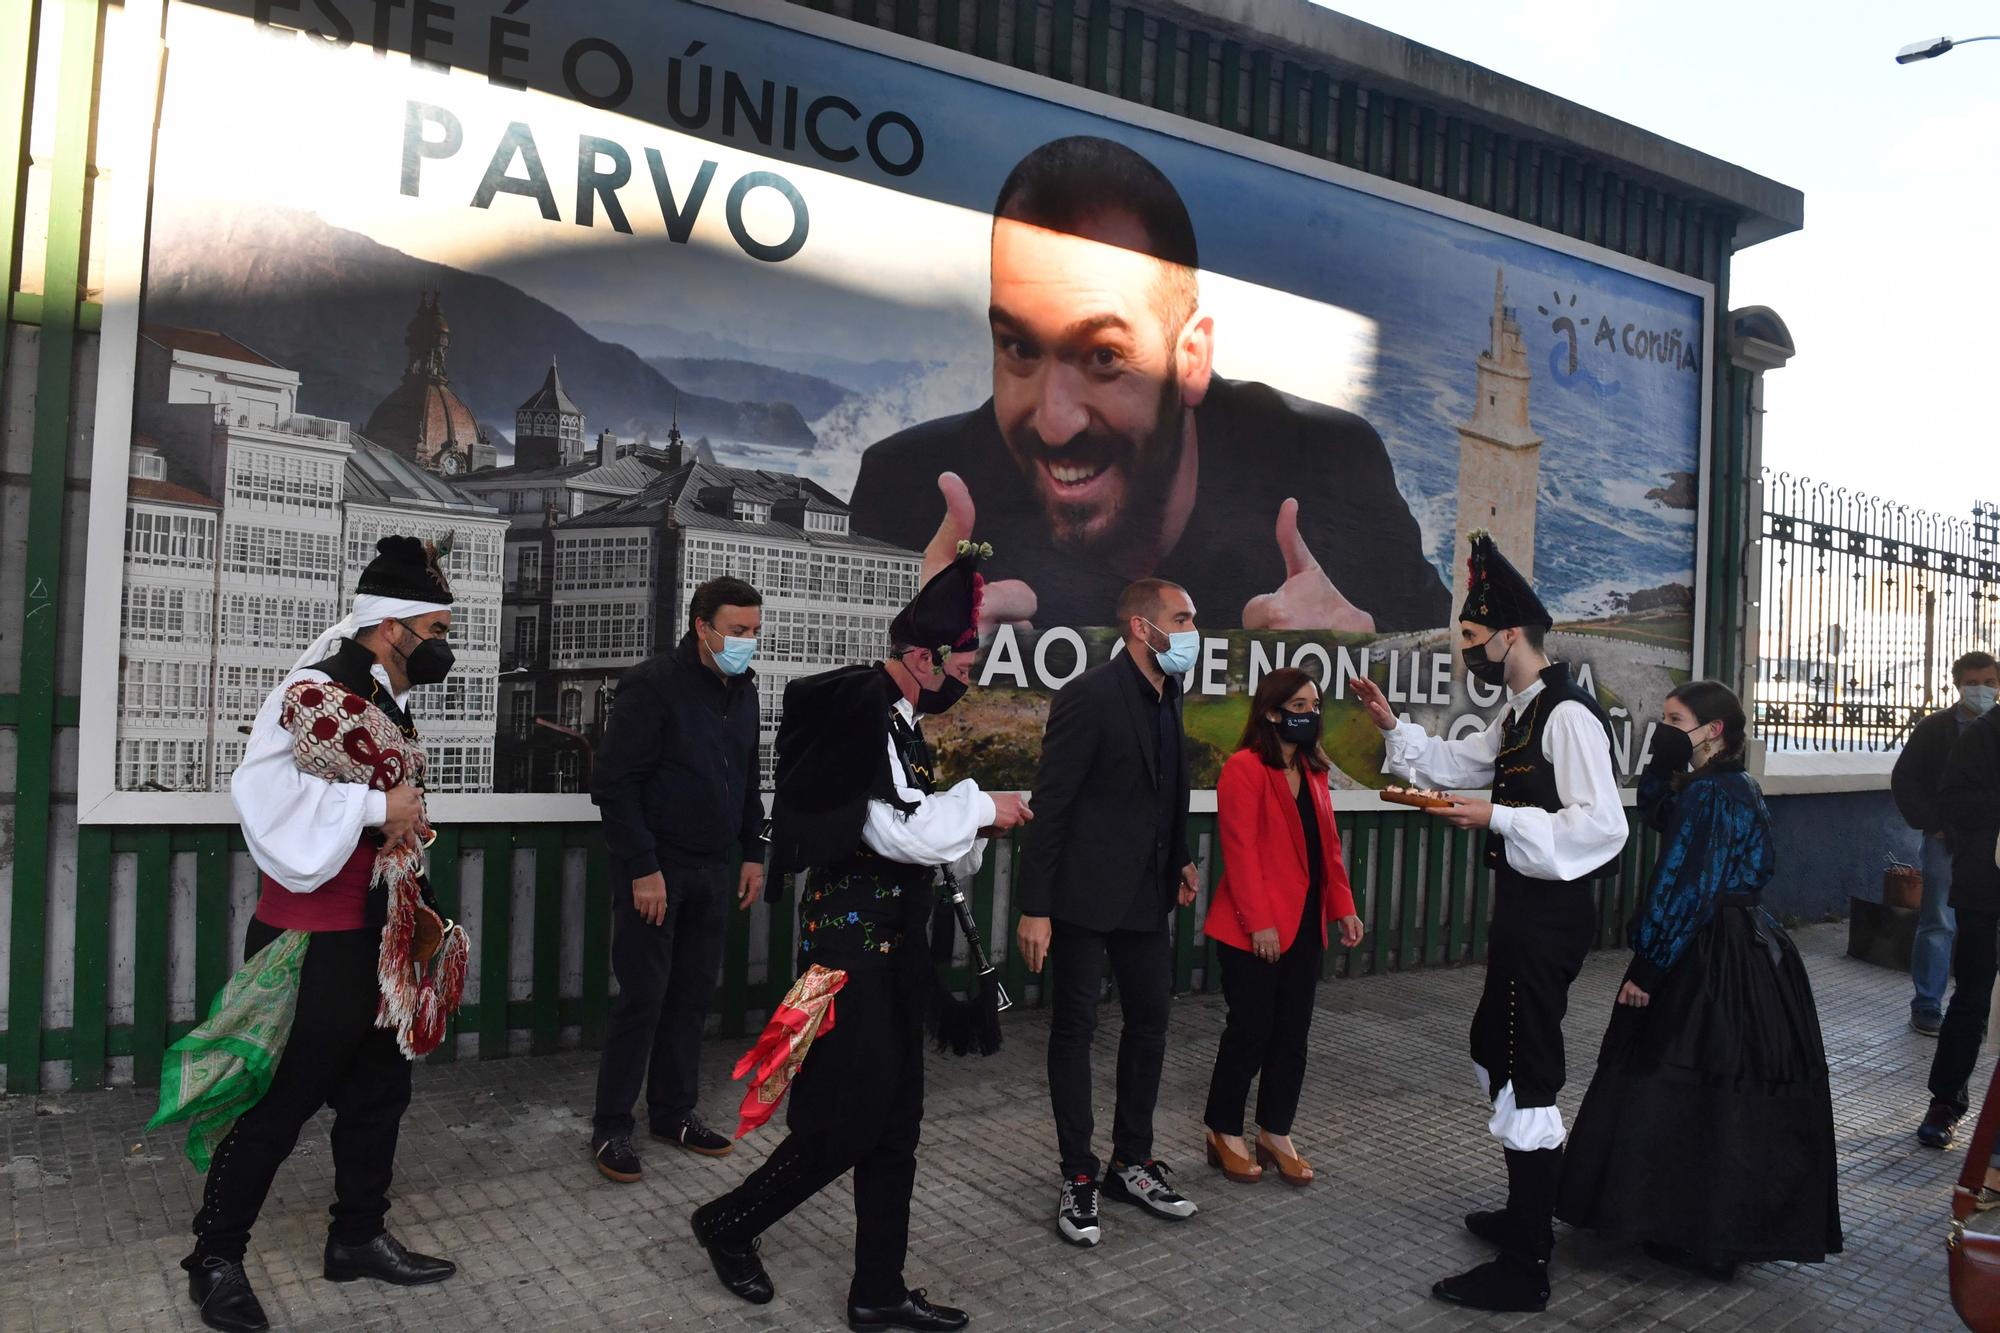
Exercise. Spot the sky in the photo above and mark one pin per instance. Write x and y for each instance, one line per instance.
(1891, 289)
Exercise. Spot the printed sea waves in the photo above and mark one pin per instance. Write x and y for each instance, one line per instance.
(1596, 534)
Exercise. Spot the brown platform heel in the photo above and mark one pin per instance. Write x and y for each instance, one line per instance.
(1295, 1170)
(1231, 1163)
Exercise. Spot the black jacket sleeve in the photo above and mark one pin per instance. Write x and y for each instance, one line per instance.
(1183, 786)
(634, 741)
(752, 836)
(1359, 527)
(1069, 743)
(1919, 771)
(1970, 795)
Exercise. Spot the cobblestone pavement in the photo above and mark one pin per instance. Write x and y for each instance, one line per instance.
(494, 1172)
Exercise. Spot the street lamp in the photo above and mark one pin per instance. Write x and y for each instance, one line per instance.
(1916, 51)
(589, 755)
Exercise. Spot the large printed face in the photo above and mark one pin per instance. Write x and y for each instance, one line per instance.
(1091, 387)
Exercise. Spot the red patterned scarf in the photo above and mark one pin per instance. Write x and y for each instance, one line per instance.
(804, 1014)
(338, 736)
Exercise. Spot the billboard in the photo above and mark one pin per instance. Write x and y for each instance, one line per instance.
(626, 295)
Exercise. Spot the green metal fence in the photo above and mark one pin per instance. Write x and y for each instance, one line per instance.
(1418, 886)
(1423, 904)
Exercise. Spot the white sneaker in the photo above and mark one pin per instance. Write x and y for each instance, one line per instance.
(1076, 1212)
(1146, 1185)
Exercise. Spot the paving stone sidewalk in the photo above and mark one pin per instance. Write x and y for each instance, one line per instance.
(494, 1172)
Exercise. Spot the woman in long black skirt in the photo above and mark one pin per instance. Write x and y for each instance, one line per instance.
(1707, 1132)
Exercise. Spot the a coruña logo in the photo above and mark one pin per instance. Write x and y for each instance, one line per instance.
(1567, 361)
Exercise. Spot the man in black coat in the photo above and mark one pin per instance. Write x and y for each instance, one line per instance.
(1111, 450)
(1970, 798)
(676, 778)
(1105, 861)
(1918, 775)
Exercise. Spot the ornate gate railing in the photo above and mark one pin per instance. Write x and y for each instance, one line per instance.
(1865, 605)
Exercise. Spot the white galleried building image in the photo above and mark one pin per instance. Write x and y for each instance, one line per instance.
(620, 576)
(247, 523)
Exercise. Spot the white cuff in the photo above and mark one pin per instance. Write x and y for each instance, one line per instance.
(375, 809)
(1502, 821)
(992, 811)
(1529, 1130)
(1396, 743)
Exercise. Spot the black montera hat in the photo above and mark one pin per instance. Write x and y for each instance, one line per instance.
(1496, 595)
(944, 615)
(409, 570)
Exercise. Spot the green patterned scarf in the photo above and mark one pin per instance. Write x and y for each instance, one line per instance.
(224, 1067)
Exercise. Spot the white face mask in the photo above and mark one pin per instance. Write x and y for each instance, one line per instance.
(1977, 698)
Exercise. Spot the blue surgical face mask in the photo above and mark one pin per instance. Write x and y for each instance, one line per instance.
(1977, 699)
(1177, 658)
(733, 657)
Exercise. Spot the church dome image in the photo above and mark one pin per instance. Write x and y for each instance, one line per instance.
(423, 418)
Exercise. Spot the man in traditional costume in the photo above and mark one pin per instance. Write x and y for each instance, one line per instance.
(857, 806)
(1553, 824)
(352, 973)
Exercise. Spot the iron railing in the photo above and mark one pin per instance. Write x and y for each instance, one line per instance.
(1866, 603)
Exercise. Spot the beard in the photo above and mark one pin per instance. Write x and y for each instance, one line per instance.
(1125, 505)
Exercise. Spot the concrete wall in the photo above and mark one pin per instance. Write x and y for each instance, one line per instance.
(1830, 847)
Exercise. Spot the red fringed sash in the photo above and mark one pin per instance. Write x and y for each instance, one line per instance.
(804, 1013)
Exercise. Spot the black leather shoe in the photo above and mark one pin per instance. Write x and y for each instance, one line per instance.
(1506, 1285)
(385, 1260)
(696, 1137)
(221, 1291)
(1492, 1226)
(739, 1268)
(1939, 1127)
(915, 1312)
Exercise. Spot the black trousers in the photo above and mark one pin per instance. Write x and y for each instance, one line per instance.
(1972, 967)
(1540, 934)
(666, 977)
(1270, 1017)
(856, 1105)
(336, 1057)
(1142, 965)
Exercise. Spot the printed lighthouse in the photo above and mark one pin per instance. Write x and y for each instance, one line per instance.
(1499, 454)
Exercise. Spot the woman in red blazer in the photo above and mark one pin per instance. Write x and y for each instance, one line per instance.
(1282, 882)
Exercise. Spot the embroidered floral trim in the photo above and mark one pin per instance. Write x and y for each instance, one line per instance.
(825, 926)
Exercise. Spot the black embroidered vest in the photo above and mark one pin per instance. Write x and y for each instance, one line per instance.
(863, 908)
(1522, 775)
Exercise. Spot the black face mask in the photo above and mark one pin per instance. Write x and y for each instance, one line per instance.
(1672, 747)
(429, 662)
(1483, 668)
(1298, 728)
(949, 691)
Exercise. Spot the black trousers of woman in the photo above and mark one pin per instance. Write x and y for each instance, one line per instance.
(1270, 1017)
(336, 1057)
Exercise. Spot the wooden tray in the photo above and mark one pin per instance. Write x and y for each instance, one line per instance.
(1419, 801)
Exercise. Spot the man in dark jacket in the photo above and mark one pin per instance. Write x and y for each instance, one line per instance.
(1918, 775)
(1105, 860)
(1970, 801)
(677, 781)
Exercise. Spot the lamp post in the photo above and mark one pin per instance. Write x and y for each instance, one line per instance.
(1931, 50)
(589, 755)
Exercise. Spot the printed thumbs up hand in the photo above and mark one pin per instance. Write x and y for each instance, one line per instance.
(1005, 601)
(1307, 598)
